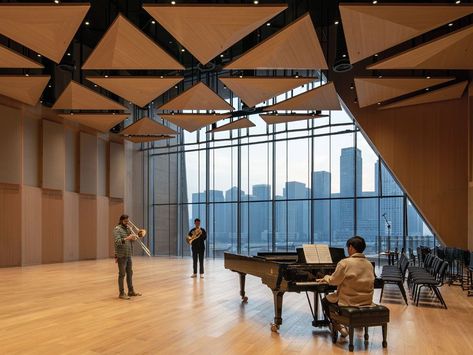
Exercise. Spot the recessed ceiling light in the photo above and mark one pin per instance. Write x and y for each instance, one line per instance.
(241, 76)
(153, 22)
(87, 23)
(374, 2)
(380, 76)
(175, 87)
(344, 55)
(225, 87)
(376, 54)
(95, 85)
(427, 77)
(457, 2)
(27, 74)
(173, 3)
(256, 2)
(221, 56)
(336, 22)
(69, 54)
(379, 103)
(450, 24)
(38, 55)
(427, 89)
(268, 24)
(351, 87)
(56, 1)
(50, 86)
(106, 76)
(183, 50)
(161, 76)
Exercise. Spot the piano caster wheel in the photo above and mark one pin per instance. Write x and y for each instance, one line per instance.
(350, 348)
(244, 299)
(274, 327)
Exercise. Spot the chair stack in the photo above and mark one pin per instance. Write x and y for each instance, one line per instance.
(395, 274)
(470, 275)
(431, 275)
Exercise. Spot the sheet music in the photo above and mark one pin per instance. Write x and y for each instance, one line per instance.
(324, 253)
(317, 254)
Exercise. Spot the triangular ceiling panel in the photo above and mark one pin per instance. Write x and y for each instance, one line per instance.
(146, 138)
(139, 90)
(451, 92)
(294, 47)
(26, 89)
(452, 51)
(78, 97)
(198, 97)
(192, 122)
(45, 28)
(254, 90)
(124, 46)
(208, 30)
(277, 118)
(238, 124)
(372, 29)
(102, 122)
(147, 126)
(370, 91)
(321, 98)
(11, 59)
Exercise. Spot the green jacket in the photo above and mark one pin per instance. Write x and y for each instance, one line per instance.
(123, 248)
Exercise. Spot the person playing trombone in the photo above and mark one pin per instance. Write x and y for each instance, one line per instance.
(123, 252)
(196, 238)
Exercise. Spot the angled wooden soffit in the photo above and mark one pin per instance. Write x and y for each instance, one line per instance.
(146, 138)
(238, 124)
(147, 126)
(26, 89)
(102, 122)
(208, 30)
(371, 90)
(372, 29)
(140, 90)
(124, 46)
(294, 47)
(47, 29)
(253, 90)
(282, 118)
(193, 122)
(78, 97)
(320, 98)
(11, 59)
(198, 97)
(452, 51)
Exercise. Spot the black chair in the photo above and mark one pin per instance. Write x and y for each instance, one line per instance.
(432, 282)
(470, 275)
(395, 276)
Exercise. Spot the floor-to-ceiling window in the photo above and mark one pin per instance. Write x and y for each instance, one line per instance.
(276, 187)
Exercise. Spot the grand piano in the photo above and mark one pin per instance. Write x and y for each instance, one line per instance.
(285, 272)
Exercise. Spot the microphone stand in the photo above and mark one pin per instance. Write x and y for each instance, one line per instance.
(388, 225)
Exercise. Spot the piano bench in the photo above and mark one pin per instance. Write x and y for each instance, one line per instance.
(358, 317)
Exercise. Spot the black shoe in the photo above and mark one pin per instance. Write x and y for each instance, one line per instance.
(133, 293)
(123, 296)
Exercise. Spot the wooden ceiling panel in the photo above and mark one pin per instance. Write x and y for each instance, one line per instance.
(11, 59)
(140, 90)
(193, 122)
(124, 46)
(294, 47)
(208, 30)
(147, 126)
(280, 118)
(451, 92)
(198, 97)
(254, 90)
(47, 29)
(321, 98)
(102, 122)
(452, 51)
(238, 124)
(26, 89)
(78, 97)
(146, 138)
(372, 29)
(370, 91)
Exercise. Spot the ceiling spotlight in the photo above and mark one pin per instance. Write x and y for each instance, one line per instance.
(175, 87)
(379, 103)
(95, 85)
(376, 55)
(427, 89)
(38, 55)
(221, 55)
(87, 23)
(153, 22)
(256, 2)
(336, 22)
(457, 2)
(450, 24)
(241, 76)
(161, 76)
(27, 74)
(380, 76)
(225, 87)
(344, 55)
(50, 86)
(69, 54)
(106, 76)
(183, 50)
(40, 101)
(56, 1)
(268, 24)
(113, 113)
(374, 2)
(352, 87)
(173, 3)
(427, 77)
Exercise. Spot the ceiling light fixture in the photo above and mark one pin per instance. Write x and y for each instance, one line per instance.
(268, 24)
(106, 76)
(183, 50)
(95, 85)
(56, 1)
(379, 103)
(153, 22)
(427, 77)
(256, 2)
(376, 54)
(450, 24)
(457, 2)
(221, 55)
(173, 3)
(374, 2)
(344, 55)
(87, 23)
(50, 86)
(69, 54)
(27, 74)
(38, 55)
(336, 22)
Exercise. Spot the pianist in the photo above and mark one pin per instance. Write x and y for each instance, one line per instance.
(354, 278)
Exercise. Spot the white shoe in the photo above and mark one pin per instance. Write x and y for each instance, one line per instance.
(193, 276)
(201, 276)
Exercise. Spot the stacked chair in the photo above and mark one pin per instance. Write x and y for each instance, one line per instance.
(470, 275)
(431, 275)
(395, 274)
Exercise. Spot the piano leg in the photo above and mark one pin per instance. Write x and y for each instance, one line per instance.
(278, 298)
(244, 299)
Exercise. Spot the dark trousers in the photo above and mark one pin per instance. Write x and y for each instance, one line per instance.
(199, 253)
(329, 308)
(125, 268)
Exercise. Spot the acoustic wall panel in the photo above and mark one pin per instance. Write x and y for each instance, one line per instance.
(88, 164)
(117, 170)
(31, 221)
(31, 151)
(10, 225)
(52, 227)
(102, 167)
(10, 145)
(87, 227)
(54, 156)
(72, 160)
(71, 226)
(103, 232)
(116, 209)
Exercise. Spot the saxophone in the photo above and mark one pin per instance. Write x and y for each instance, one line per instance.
(195, 234)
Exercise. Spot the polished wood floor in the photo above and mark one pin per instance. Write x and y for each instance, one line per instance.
(73, 308)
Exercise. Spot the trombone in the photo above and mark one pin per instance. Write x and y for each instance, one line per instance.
(138, 234)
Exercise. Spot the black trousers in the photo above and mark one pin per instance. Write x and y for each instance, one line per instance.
(198, 254)
(125, 268)
(329, 308)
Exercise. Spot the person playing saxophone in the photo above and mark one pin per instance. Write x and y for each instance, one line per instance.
(196, 238)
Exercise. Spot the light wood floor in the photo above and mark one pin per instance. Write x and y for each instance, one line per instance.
(73, 308)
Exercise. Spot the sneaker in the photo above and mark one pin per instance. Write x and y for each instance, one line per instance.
(194, 275)
(201, 276)
(133, 293)
(123, 296)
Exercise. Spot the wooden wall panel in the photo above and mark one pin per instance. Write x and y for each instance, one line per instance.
(116, 209)
(54, 156)
(88, 164)
(117, 170)
(10, 161)
(52, 227)
(103, 238)
(72, 160)
(87, 227)
(425, 146)
(31, 222)
(71, 226)
(31, 151)
(102, 167)
(10, 225)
